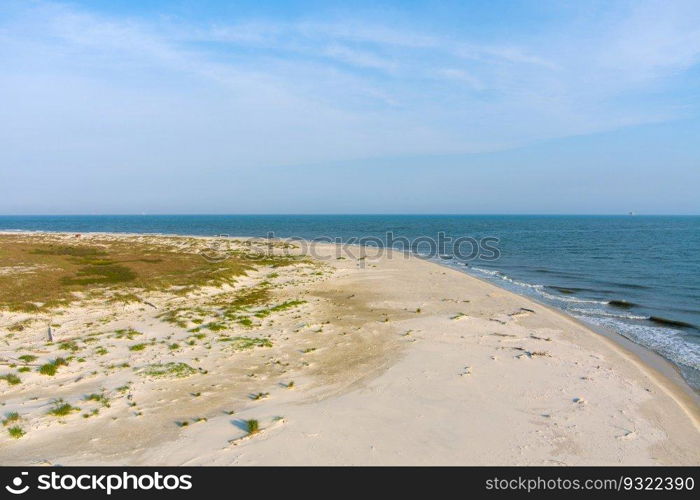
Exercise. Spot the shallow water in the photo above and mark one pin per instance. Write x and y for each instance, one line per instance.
(648, 266)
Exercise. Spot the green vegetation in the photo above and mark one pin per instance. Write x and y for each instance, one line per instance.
(173, 317)
(244, 321)
(10, 418)
(280, 307)
(246, 299)
(105, 268)
(99, 398)
(61, 408)
(124, 298)
(24, 369)
(129, 333)
(252, 426)
(84, 252)
(20, 325)
(103, 273)
(11, 379)
(27, 358)
(228, 309)
(16, 432)
(69, 345)
(215, 326)
(243, 343)
(51, 367)
(138, 347)
(168, 370)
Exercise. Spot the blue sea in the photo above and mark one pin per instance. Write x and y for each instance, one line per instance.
(637, 275)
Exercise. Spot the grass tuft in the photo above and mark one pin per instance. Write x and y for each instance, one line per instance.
(243, 343)
(69, 345)
(252, 426)
(61, 408)
(99, 398)
(129, 333)
(10, 418)
(16, 432)
(11, 379)
(51, 367)
(168, 370)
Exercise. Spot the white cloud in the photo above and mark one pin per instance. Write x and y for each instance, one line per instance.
(462, 76)
(261, 93)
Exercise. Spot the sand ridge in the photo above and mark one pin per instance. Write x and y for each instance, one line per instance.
(394, 361)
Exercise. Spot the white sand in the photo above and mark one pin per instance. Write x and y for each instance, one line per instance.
(471, 379)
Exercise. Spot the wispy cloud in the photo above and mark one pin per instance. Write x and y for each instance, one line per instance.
(262, 92)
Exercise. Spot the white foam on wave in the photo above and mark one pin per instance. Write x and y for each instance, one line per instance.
(507, 278)
(490, 272)
(668, 342)
(601, 312)
(573, 300)
(537, 288)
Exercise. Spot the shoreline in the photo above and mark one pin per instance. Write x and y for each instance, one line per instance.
(668, 372)
(545, 381)
(664, 371)
(664, 368)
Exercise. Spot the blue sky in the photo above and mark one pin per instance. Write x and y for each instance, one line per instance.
(362, 107)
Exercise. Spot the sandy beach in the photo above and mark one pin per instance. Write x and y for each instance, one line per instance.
(333, 359)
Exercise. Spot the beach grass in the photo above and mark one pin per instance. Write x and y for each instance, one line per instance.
(95, 267)
(61, 408)
(51, 367)
(11, 379)
(99, 398)
(252, 426)
(168, 370)
(243, 343)
(10, 418)
(16, 432)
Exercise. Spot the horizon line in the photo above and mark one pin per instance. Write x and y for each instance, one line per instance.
(446, 214)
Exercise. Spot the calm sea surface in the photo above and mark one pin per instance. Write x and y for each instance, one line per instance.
(638, 275)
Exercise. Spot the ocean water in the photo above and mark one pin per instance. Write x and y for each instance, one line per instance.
(638, 275)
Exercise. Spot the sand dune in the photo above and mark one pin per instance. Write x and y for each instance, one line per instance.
(379, 361)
